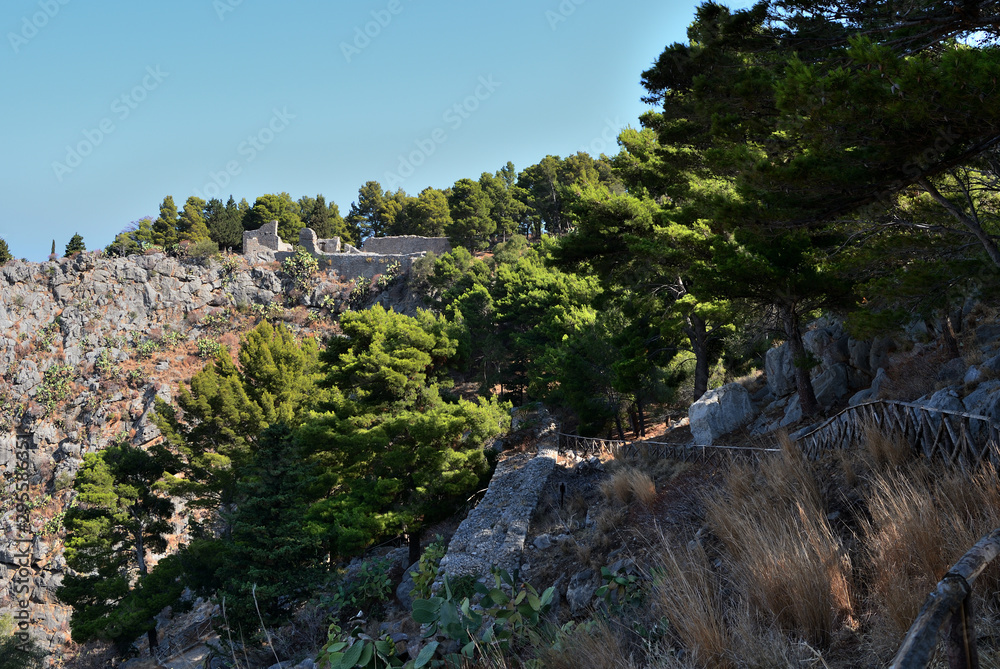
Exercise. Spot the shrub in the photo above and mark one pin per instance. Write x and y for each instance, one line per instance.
(209, 348)
(629, 484)
(203, 249)
(301, 266)
(427, 568)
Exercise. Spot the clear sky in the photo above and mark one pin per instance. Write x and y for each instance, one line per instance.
(108, 106)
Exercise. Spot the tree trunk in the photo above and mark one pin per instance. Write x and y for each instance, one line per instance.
(153, 642)
(413, 543)
(642, 418)
(698, 334)
(803, 383)
(618, 424)
(950, 340)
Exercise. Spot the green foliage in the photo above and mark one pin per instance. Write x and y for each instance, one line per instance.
(366, 592)
(395, 454)
(54, 387)
(164, 228)
(75, 245)
(118, 521)
(427, 568)
(359, 650)
(105, 365)
(281, 208)
(301, 267)
(147, 347)
(209, 348)
(620, 590)
(516, 610)
(202, 249)
(270, 560)
(16, 653)
(4, 252)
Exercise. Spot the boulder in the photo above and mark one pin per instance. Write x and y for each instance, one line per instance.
(793, 412)
(984, 400)
(780, 371)
(952, 371)
(832, 384)
(829, 344)
(879, 354)
(860, 355)
(719, 412)
(871, 393)
(580, 591)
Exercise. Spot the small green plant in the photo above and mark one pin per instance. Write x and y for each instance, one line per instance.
(301, 266)
(368, 591)
(54, 386)
(313, 317)
(209, 348)
(146, 348)
(54, 524)
(217, 320)
(48, 334)
(620, 590)
(427, 568)
(328, 302)
(173, 338)
(359, 292)
(267, 312)
(105, 364)
(389, 276)
(347, 651)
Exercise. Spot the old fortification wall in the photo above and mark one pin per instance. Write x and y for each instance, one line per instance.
(377, 255)
(407, 244)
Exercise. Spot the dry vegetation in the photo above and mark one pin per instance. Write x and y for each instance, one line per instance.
(795, 563)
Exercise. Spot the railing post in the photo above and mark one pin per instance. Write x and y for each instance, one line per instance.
(961, 649)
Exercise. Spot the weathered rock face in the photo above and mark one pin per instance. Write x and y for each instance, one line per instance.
(719, 412)
(845, 364)
(86, 346)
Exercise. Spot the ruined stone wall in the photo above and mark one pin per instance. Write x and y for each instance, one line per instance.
(404, 244)
(350, 266)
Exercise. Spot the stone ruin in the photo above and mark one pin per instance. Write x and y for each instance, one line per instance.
(376, 255)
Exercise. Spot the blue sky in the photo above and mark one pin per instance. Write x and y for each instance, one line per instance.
(110, 106)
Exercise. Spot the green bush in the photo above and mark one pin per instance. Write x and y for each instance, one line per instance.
(209, 348)
(427, 568)
(203, 249)
(301, 267)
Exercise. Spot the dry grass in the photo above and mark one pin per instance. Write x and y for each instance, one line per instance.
(884, 450)
(914, 377)
(684, 590)
(591, 645)
(785, 558)
(628, 484)
(922, 519)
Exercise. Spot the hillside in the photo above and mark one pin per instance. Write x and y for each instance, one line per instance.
(89, 342)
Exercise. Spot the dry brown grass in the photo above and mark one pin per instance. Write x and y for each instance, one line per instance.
(922, 519)
(684, 590)
(784, 556)
(884, 450)
(627, 484)
(592, 645)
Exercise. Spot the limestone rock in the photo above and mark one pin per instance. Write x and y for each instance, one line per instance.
(871, 393)
(780, 371)
(719, 412)
(580, 591)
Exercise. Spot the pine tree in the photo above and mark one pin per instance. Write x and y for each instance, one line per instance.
(271, 558)
(4, 251)
(119, 521)
(75, 245)
(191, 224)
(165, 226)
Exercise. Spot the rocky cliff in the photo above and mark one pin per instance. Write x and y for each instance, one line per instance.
(86, 345)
